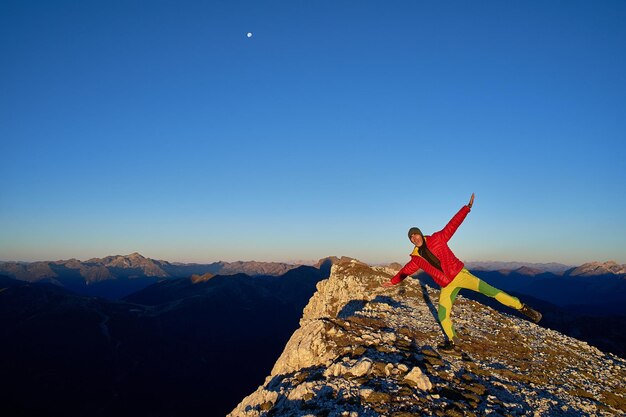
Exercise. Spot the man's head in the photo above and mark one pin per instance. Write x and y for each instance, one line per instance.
(416, 236)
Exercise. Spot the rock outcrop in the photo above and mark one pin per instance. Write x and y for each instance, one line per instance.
(366, 350)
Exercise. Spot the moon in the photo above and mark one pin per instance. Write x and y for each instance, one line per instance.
(249, 34)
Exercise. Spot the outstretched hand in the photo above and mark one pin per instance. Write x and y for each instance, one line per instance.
(471, 202)
(388, 284)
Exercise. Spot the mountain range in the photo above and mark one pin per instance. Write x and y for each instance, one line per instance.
(136, 265)
(554, 267)
(598, 286)
(116, 276)
(182, 346)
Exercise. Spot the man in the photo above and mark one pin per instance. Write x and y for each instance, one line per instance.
(433, 255)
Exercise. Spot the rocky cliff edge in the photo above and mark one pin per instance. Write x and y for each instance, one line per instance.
(365, 350)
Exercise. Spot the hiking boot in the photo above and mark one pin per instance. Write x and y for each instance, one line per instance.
(448, 347)
(534, 315)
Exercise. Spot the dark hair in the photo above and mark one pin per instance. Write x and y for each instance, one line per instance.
(414, 231)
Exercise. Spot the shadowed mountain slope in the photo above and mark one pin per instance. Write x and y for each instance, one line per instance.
(175, 348)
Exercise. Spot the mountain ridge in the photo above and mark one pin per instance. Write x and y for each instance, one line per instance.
(554, 267)
(116, 276)
(362, 350)
(27, 271)
(31, 271)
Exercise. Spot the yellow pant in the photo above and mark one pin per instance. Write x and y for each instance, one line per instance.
(466, 280)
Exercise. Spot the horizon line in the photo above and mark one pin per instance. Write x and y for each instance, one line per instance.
(295, 262)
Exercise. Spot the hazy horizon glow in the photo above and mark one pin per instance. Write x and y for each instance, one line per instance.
(162, 128)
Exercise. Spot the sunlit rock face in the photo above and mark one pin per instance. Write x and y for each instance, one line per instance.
(366, 350)
(599, 268)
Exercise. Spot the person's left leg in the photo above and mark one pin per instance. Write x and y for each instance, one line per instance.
(469, 281)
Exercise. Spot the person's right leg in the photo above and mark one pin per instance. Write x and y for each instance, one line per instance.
(446, 300)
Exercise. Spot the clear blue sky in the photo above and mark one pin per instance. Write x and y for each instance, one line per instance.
(160, 127)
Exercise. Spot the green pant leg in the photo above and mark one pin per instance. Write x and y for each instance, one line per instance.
(501, 296)
(446, 300)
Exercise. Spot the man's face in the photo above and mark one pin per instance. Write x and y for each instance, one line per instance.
(417, 239)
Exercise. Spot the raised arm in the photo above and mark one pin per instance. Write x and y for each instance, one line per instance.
(454, 223)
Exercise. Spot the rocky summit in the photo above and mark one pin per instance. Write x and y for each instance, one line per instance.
(365, 350)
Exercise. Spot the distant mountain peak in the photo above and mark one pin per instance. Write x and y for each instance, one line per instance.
(599, 268)
(134, 256)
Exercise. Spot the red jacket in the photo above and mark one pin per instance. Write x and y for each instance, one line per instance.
(438, 245)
